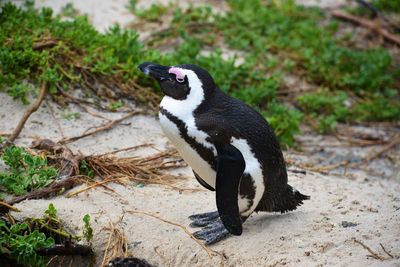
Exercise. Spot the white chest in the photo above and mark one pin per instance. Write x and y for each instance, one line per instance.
(187, 152)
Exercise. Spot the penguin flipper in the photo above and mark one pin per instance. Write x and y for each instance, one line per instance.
(230, 168)
(202, 182)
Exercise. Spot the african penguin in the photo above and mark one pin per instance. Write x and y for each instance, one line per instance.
(230, 147)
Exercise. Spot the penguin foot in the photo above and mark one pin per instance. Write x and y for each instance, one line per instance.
(212, 233)
(203, 219)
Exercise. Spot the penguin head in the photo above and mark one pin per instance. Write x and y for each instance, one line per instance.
(180, 81)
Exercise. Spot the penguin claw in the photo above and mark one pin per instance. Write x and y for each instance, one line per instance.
(203, 219)
(212, 233)
(207, 215)
(199, 223)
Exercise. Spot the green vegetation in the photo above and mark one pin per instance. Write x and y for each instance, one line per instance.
(387, 5)
(153, 13)
(69, 11)
(21, 240)
(279, 37)
(21, 243)
(273, 37)
(87, 229)
(85, 169)
(71, 115)
(114, 106)
(26, 172)
(37, 47)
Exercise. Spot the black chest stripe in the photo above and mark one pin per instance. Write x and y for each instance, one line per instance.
(204, 152)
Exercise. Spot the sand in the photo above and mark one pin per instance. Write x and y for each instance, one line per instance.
(320, 233)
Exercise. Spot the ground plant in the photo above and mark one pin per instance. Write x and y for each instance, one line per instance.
(25, 172)
(267, 40)
(21, 241)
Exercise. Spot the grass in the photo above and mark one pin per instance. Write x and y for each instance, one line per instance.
(21, 244)
(25, 172)
(280, 37)
(36, 47)
(21, 240)
(274, 38)
(387, 5)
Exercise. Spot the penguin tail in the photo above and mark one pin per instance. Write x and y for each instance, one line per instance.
(289, 200)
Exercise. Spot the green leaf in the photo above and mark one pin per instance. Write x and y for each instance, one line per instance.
(51, 211)
(87, 229)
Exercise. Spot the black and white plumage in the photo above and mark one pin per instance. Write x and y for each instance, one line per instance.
(230, 147)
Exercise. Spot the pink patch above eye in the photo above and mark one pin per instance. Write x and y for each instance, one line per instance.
(180, 77)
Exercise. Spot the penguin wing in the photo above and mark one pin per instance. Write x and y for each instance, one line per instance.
(230, 168)
(202, 182)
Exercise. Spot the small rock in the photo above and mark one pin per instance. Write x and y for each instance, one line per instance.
(346, 224)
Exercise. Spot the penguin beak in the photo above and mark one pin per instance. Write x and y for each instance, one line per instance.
(158, 72)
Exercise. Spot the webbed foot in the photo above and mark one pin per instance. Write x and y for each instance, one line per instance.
(213, 232)
(203, 219)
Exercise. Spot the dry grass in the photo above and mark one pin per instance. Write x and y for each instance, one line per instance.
(117, 244)
(147, 170)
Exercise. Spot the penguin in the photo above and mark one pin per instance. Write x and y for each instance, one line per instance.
(230, 147)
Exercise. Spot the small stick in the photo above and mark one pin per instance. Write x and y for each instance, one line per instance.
(395, 142)
(101, 128)
(65, 183)
(373, 254)
(80, 102)
(209, 251)
(94, 114)
(326, 169)
(172, 186)
(31, 109)
(373, 26)
(55, 119)
(7, 206)
(119, 246)
(92, 186)
(123, 149)
(44, 44)
(390, 255)
(51, 260)
(103, 262)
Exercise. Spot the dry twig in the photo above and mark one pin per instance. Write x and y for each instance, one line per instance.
(92, 186)
(372, 253)
(55, 119)
(31, 109)
(6, 207)
(148, 169)
(210, 252)
(45, 44)
(390, 255)
(55, 187)
(311, 167)
(125, 149)
(117, 244)
(372, 25)
(101, 128)
(395, 141)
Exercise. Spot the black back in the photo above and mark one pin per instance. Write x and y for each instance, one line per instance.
(223, 117)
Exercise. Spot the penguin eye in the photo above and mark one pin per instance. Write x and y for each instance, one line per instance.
(179, 76)
(180, 79)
